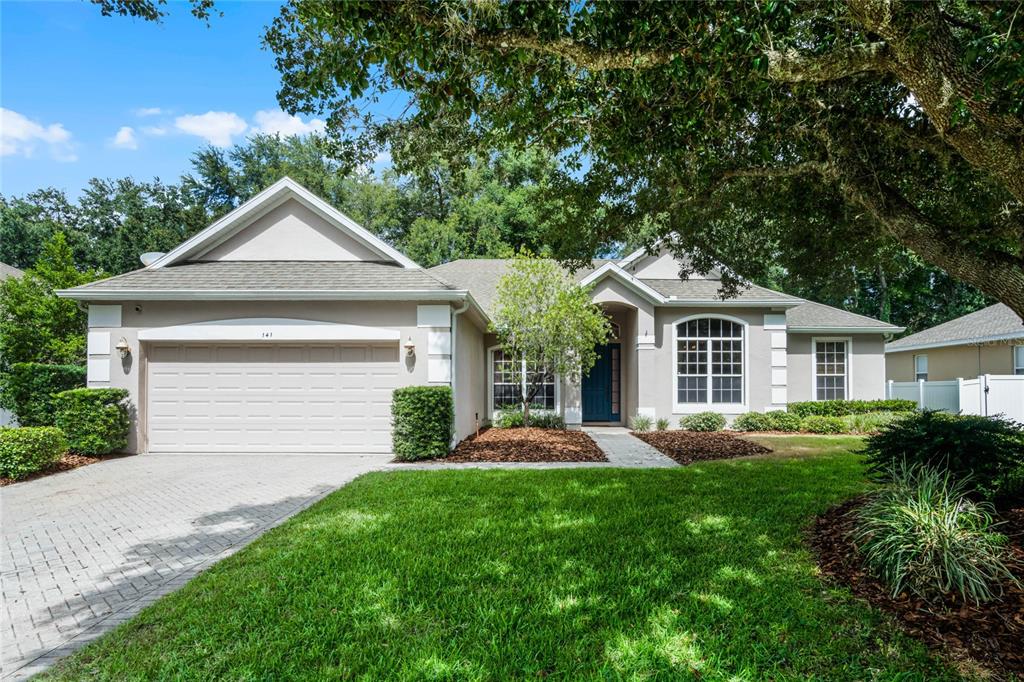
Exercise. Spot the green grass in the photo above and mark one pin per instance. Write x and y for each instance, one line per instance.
(692, 573)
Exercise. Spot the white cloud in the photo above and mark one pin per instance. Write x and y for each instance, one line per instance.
(216, 127)
(155, 131)
(149, 111)
(20, 135)
(275, 121)
(125, 138)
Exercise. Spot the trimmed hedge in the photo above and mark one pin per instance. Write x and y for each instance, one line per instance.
(703, 421)
(27, 449)
(752, 421)
(422, 422)
(988, 452)
(27, 390)
(841, 408)
(95, 420)
(817, 423)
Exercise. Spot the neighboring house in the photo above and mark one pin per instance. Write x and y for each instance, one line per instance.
(7, 271)
(988, 341)
(285, 326)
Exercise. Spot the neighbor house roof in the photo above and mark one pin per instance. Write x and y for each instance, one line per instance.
(994, 323)
(7, 271)
(261, 279)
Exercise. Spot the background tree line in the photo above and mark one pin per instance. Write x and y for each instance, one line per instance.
(487, 206)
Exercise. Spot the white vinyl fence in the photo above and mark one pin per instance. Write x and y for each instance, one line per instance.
(988, 395)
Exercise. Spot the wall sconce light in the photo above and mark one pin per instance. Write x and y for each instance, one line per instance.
(410, 348)
(122, 348)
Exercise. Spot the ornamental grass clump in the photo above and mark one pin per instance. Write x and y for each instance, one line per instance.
(922, 534)
(641, 423)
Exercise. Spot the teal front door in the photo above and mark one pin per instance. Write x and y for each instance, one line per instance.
(601, 388)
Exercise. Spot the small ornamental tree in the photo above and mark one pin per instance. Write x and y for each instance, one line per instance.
(545, 318)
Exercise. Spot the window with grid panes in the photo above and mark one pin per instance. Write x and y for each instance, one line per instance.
(709, 361)
(830, 370)
(507, 383)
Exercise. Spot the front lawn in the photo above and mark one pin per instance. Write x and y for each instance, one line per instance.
(699, 572)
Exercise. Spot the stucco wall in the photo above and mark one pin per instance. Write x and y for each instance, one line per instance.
(470, 374)
(952, 362)
(867, 366)
(136, 316)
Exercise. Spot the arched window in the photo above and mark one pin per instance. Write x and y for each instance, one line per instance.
(709, 361)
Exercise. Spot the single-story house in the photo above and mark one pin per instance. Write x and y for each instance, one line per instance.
(284, 327)
(6, 272)
(987, 341)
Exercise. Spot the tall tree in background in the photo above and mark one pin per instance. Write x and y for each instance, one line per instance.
(743, 129)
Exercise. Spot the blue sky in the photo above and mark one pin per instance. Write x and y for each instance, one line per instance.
(85, 95)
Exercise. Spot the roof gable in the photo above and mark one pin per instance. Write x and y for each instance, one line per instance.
(284, 222)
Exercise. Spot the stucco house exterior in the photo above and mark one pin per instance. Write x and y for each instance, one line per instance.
(987, 341)
(284, 327)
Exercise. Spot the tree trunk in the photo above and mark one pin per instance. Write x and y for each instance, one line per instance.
(884, 311)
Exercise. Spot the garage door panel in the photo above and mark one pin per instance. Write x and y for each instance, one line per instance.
(271, 398)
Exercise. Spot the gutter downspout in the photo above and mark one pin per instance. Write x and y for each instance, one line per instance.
(454, 368)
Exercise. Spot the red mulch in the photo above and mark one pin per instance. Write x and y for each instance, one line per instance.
(528, 444)
(687, 447)
(66, 463)
(990, 635)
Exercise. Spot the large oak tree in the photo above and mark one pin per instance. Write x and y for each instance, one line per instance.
(801, 133)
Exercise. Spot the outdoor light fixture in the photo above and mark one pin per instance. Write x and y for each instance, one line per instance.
(122, 348)
(410, 348)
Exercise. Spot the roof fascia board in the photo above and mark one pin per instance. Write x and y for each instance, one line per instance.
(845, 330)
(263, 294)
(613, 270)
(731, 303)
(958, 342)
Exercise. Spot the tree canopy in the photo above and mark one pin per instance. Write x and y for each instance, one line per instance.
(802, 134)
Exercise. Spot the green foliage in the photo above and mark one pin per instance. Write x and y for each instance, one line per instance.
(95, 420)
(35, 325)
(752, 421)
(841, 408)
(661, 424)
(989, 451)
(640, 423)
(921, 534)
(703, 421)
(817, 423)
(27, 449)
(27, 390)
(509, 418)
(422, 422)
(871, 422)
(547, 420)
(780, 420)
(542, 316)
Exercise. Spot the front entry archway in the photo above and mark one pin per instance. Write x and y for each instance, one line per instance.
(602, 387)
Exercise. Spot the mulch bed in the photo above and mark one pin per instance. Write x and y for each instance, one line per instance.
(66, 463)
(687, 447)
(527, 444)
(990, 635)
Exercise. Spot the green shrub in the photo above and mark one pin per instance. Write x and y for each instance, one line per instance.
(871, 422)
(422, 422)
(95, 420)
(780, 420)
(27, 390)
(661, 424)
(840, 408)
(27, 449)
(641, 423)
(508, 418)
(822, 424)
(989, 450)
(752, 421)
(921, 534)
(703, 421)
(546, 420)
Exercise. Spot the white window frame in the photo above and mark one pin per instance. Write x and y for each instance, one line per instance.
(1018, 360)
(848, 384)
(693, 408)
(917, 370)
(490, 386)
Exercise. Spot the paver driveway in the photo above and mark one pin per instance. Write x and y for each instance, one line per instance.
(87, 549)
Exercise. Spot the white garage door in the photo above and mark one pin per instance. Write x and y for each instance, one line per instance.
(274, 398)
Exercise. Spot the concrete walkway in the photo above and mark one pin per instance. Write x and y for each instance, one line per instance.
(623, 449)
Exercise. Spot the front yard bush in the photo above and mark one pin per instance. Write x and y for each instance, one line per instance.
(27, 390)
(921, 534)
(753, 421)
(661, 424)
(987, 450)
(641, 423)
(27, 449)
(871, 422)
(781, 420)
(822, 424)
(509, 418)
(546, 420)
(841, 408)
(703, 421)
(422, 422)
(95, 420)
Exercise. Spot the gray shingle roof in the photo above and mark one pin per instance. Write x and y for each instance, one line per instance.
(272, 275)
(7, 271)
(994, 321)
(811, 315)
(708, 290)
